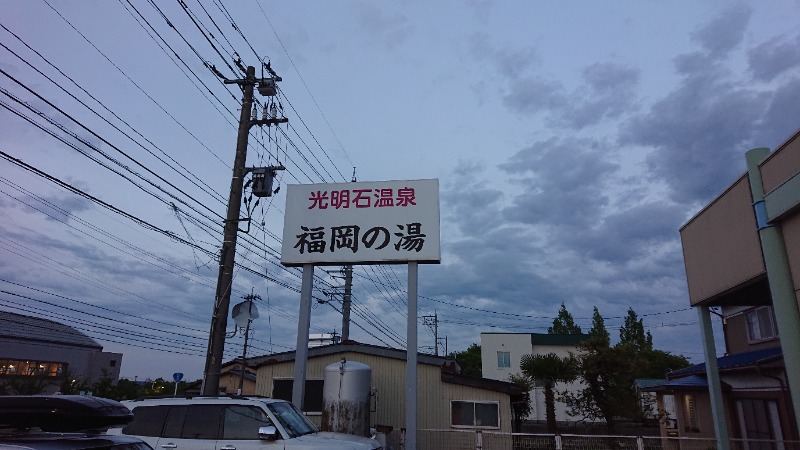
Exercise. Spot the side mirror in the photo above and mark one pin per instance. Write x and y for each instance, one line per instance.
(269, 432)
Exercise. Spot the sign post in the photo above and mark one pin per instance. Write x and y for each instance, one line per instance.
(387, 222)
(177, 376)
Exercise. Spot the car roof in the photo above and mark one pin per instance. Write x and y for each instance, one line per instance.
(186, 400)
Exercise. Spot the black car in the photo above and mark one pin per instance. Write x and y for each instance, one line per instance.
(63, 422)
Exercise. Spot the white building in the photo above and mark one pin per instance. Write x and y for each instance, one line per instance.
(501, 354)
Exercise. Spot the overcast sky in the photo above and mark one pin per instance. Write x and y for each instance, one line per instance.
(571, 140)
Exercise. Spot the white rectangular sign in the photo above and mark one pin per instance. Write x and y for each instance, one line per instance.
(361, 223)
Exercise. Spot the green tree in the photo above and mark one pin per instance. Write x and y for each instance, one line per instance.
(657, 363)
(564, 323)
(599, 331)
(469, 360)
(607, 373)
(632, 332)
(520, 410)
(127, 390)
(549, 369)
(25, 385)
(104, 387)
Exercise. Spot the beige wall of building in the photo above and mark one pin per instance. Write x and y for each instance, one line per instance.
(721, 246)
(388, 384)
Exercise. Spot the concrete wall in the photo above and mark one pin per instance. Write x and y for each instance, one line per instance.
(517, 344)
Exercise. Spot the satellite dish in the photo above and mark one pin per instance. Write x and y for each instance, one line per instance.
(244, 312)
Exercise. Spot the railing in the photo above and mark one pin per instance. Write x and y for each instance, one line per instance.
(428, 439)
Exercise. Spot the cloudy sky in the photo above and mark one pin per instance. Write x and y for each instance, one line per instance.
(571, 140)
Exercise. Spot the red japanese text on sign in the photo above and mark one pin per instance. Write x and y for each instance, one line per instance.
(362, 198)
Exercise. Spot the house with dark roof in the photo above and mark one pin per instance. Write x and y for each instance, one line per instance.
(501, 354)
(755, 398)
(446, 399)
(33, 348)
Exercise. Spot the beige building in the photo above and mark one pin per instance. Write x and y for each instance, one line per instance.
(742, 253)
(445, 398)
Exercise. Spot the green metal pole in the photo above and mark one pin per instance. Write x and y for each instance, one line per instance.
(781, 286)
(714, 385)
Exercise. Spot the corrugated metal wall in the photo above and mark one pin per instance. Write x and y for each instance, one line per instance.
(389, 381)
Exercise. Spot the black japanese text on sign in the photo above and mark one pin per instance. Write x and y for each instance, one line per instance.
(390, 221)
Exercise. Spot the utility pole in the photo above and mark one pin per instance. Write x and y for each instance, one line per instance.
(346, 300)
(348, 291)
(433, 322)
(219, 317)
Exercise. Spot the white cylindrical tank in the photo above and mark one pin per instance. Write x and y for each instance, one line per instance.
(345, 396)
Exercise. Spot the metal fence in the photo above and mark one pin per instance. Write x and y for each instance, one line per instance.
(428, 439)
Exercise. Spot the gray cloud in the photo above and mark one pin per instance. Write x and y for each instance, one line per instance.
(609, 90)
(698, 133)
(775, 57)
(533, 95)
(725, 33)
(780, 119)
(631, 234)
(389, 29)
(563, 181)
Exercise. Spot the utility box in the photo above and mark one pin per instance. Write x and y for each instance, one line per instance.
(262, 181)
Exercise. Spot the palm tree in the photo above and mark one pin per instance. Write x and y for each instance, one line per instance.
(549, 369)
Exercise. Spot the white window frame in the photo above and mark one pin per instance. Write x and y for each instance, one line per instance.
(757, 329)
(503, 360)
(473, 426)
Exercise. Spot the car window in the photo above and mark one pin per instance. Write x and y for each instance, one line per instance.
(173, 426)
(147, 421)
(202, 422)
(243, 422)
(291, 419)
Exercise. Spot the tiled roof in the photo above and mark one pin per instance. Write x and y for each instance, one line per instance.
(17, 326)
(346, 346)
(732, 362)
(644, 383)
(691, 382)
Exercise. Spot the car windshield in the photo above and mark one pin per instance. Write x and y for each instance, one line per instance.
(291, 419)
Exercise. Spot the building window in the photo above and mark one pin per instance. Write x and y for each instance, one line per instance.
(474, 414)
(113, 363)
(503, 360)
(312, 400)
(19, 367)
(759, 423)
(668, 412)
(690, 422)
(761, 324)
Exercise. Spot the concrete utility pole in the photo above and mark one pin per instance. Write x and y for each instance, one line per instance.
(433, 322)
(219, 317)
(346, 300)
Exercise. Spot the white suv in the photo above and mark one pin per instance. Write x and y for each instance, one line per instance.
(231, 423)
